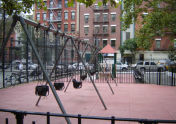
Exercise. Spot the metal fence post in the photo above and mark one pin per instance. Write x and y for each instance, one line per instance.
(79, 119)
(149, 75)
(112, 120)
(172, 77)
(159, 77)
(19, 117)
(6, 121)
(48, 118)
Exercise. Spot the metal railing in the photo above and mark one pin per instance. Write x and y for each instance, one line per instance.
(20, 117)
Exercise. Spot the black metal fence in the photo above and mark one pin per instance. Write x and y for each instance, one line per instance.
(131, 75)
(19, 115)
(156, 77)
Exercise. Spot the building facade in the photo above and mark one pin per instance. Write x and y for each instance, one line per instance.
(100, 25)
(159, 45)
(58, 16)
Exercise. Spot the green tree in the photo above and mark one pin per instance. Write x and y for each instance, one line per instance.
(160, 20)
(130, 45)
(17, 6)
(172, 53)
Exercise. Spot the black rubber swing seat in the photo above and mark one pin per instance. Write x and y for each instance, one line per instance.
(77, 84)
(83, 77)
(59, 86)
(42, 90)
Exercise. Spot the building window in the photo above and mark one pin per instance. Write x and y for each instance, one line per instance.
(113, 29)
(38, 16)
(66, 3)
(66, 15)
(96, 29)
(86, 18)
(175, 43)
(45, 3)
(65, 54)
(72, 27)
(105, 17)
(105, 29)
(158, 43)
(105, 6)
(44, 16)
(96, 42)
(59, 16)
(59, 27)
(65, 27)
(144, 14)
(51, 16)
(97, 17)
(37, 5)
(127, 35)
(60, 3)
(96, 6)
(72, 15)
(113, 17)
(86, 30)
(105, 42)
(51, 3)
(72, 53)
(113, 42)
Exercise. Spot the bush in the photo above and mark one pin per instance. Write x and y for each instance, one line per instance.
(172, 68)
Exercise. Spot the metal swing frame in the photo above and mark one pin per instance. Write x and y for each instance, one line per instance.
(76, 68)
(48, 76)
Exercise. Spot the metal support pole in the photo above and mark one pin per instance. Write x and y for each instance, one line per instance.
(103, 72)
(3, 49)
(27, 61)
(11, 45)
(43, 69)
(86, 69)
(4, 43)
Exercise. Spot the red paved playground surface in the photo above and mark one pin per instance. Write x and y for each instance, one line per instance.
(129, 101)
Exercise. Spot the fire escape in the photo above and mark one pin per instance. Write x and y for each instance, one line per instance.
(101, 23)
(54, 13)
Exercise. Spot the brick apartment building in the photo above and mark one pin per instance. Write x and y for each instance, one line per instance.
(58, 16)
(61, 17)
(10, 46)
(100, 25)
(160, 45)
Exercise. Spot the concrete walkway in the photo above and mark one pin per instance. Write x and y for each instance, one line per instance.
(129, 101)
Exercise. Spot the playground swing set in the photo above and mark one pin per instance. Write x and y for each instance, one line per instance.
(43, 90)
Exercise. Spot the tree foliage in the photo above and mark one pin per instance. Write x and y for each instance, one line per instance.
(130, 45)
(172, 53)
(17, 6)
(160, 20)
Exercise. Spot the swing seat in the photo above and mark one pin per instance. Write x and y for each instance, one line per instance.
(77, 84)
(42, 90)
(59, 86)
(83, 77)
